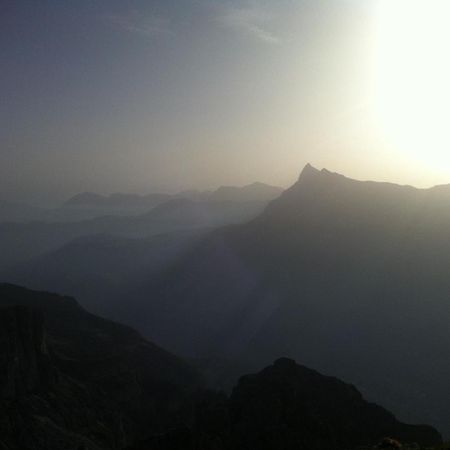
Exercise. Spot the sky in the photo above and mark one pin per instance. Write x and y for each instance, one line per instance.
(164, 95)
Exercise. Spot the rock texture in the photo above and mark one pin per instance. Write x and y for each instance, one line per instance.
(290, 407)
(24, 358)
(71, 380)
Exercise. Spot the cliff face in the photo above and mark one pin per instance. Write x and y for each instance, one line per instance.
(24, 358)
(71, 380)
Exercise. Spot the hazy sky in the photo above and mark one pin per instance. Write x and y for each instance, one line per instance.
(162, 94)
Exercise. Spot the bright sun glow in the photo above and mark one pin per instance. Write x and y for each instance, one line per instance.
(412, 93)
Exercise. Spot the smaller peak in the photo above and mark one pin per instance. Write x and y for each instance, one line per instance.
(84, 198)
(257, 184)
(308, 171)
(311, 173)
(310, 168)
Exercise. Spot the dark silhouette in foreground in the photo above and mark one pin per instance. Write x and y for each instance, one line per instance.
(290, 407)
(71, 380)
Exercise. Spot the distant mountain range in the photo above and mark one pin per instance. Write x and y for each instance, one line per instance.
(24, 236)
(89, 205)
(22, 241)
(101, 270)
(90, 199)
(71, 380)
(255, 192)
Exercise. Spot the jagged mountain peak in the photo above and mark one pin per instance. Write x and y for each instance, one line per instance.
(310, 172)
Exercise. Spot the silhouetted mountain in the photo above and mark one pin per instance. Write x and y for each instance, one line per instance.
(287, 406)
(23, 241)
(349, 277)
(72, 380)
(101, 270)
(117, 200)
(255, 192)
(89, 205)
(292, 407)
(195, 195)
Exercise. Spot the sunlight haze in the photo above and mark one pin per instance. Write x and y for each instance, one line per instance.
(169, 95)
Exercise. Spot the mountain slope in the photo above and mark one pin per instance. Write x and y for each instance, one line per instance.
(73, 380)
(255, 192)
(350, 277)
(23, 241)
(101, 270)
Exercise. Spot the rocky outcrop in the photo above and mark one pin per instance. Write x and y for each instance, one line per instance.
(24, 357)
(71, 380)
(290, 407)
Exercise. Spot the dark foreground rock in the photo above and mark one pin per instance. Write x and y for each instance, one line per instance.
(71, 380)
(290, 407)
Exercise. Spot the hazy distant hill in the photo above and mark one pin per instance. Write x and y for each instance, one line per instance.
(255, 192)
(349, 277)
(23, 241)
(117, 200)
(101, 270)
(89, 205)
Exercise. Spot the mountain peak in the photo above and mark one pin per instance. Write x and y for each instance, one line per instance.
(308, 171)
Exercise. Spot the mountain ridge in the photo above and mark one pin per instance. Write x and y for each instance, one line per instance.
(359, 251)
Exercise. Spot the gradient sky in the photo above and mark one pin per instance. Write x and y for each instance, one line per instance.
(139, 96)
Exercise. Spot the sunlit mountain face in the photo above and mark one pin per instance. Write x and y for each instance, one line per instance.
(190, 256)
